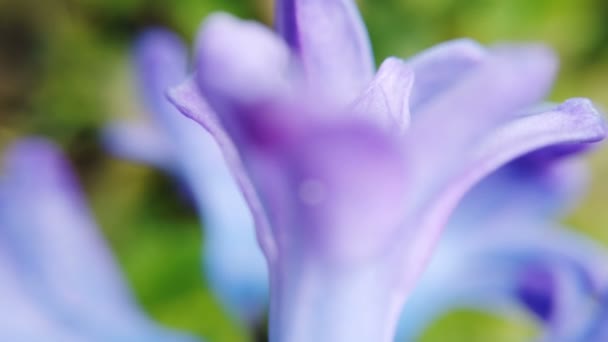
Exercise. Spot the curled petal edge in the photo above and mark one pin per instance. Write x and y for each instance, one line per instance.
(576, 121)
(189, 101)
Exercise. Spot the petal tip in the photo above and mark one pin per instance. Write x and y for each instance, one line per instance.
(29, 150)
(587, 112)
(468, 47)
(180, 95)
(38, 160)
(578, 106)
(158, 36)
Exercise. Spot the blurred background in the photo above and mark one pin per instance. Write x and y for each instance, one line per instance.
(65, 71)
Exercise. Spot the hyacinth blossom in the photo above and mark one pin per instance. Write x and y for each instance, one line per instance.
(525, 194)
(597, 329)
(233, 258)
(59, 280)
(351, 173)
(234, 265)
(503, 251)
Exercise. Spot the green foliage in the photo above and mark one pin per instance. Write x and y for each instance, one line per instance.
(472, 326)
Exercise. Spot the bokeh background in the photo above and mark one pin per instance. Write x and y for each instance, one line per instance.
(65, 71)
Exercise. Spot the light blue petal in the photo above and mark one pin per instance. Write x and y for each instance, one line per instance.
(139, 141)
(234, 262)
(485, 269)
(64, 262)
(21, 317)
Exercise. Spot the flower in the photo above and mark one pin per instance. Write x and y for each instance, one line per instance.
(502, 251)
(235, 267)
(351, 178)
(597, 328)
(59, 280)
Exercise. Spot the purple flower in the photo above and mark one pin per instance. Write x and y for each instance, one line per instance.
(235, 267)
(503, 251)
(351, 178)
(59, 281)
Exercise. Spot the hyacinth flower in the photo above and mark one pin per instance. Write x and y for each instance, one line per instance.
(503, 251)
(596, 329)
(351, 173)
(591, 326)
(59, 280)
(234, 265)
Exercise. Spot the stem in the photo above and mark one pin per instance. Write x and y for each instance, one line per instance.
(312, 301)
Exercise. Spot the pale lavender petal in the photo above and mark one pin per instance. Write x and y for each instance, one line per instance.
(226, 78)
(235, 266)
(510, 79)
(230, 84)
(386, 98)
(139, 141)
(239, 113)
(187, 98)
(331, 42)
(64, 261)
(322, 172)
(440, 67)
(574, 122)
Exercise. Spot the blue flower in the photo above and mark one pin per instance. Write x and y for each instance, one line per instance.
(59, 280)
(504, 251)
(234, 265)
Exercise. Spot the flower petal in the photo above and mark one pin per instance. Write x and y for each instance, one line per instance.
(491, 269)
(189, 101)
(523, 191)
(230, 84)
(21, 317)
(572, 123)
(597, 328)
(510, 79)
(65, 262)
(235, 266)
(331, 42)
(161, 61)
(438, 68)
(240, 62)
(140, 142)
(386, 99)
